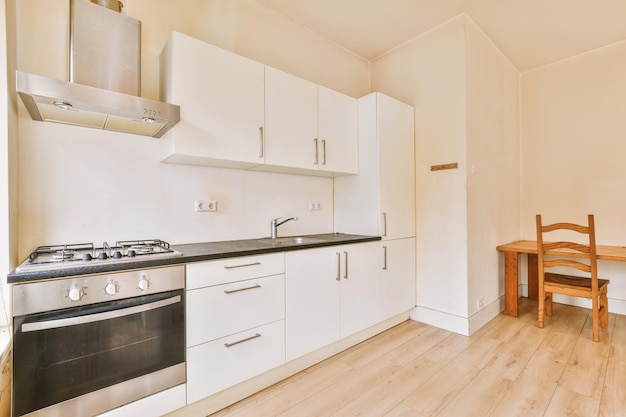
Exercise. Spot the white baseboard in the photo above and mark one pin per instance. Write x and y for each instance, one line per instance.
(457, 324)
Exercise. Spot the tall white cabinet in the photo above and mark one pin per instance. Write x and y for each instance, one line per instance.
(380, 200)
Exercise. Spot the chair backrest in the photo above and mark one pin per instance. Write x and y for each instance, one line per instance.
(578, 250)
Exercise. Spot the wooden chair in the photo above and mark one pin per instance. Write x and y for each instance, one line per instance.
(589, 286)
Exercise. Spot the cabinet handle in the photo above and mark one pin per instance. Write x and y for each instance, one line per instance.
(242, 340)
(345, 253)
(241, 266)
(323, 151)
(338, 266)
(242, 289)
(317, 153)
(262, 152)
(384, 224)
(384, 258)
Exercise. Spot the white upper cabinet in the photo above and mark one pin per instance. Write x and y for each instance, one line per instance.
(309, 129)
(221, 99)
(380, 200)
(238, 113)
(290, 121)
(338, 132)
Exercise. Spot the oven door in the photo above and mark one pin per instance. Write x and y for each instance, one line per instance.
(88, 351)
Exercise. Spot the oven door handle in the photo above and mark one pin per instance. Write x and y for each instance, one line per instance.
(91, 318)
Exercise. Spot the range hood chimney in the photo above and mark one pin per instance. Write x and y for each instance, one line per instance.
(104, 87)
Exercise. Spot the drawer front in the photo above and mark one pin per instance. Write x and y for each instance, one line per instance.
(214, 366)
(204, 274)
(221, 310)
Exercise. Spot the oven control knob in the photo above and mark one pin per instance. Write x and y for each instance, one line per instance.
(75, 294)
(111, 288)
(144, 283)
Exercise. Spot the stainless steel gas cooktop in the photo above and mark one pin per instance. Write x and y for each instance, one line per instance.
(77, 255)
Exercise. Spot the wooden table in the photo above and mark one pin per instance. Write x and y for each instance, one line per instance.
(511, 259)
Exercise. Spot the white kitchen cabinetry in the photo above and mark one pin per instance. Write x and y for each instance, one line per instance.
(221, 99)
(235, 321)
(381, 199)
(238, 113)
(331, 292)
(308, 128)
(397, 276)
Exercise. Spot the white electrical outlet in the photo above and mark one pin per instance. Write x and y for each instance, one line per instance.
(205, 205)
(480, 303)
(315, 206)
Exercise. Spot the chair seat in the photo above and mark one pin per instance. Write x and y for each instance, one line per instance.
(572, 281)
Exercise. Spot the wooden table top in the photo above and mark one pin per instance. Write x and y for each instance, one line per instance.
(605, 252)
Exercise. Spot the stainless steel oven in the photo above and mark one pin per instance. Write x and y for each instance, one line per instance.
(87, 344)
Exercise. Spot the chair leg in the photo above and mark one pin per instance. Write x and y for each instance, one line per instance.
(595, 317)
(540, 307)
(604, 309)
(549, 304)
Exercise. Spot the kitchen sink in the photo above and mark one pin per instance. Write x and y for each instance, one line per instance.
(291, 240)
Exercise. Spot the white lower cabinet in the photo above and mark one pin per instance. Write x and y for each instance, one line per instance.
(235, 321)
(331, 292)
(397, 276)
(213, 312)
(216, 365)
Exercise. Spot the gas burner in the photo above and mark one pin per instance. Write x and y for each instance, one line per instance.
(86, 254)
(139, 249)
(63, 255)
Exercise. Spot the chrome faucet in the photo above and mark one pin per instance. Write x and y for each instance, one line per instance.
(274, 224)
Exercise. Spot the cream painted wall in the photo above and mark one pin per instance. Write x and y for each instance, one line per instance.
(429, 73)
(78, 184)
(466, 97)
(493, 164)
(573, 147)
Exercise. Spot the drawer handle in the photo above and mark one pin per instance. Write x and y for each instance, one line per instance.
(241, 266)
(384, 258)
(242, 289)
(262, 153)
(338, 266)
(242, 340)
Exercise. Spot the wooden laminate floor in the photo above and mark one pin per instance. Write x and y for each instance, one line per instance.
(508, 368)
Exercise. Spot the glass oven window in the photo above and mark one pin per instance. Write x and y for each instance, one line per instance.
(55, 364)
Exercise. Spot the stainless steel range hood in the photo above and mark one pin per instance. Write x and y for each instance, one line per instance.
(104, 68)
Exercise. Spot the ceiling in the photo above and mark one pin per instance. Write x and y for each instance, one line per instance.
(530, 33)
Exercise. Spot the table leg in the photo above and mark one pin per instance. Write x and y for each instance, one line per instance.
(510, 283)
(533, 279)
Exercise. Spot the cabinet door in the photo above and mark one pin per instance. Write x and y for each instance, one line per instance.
(360, 297)
(397, 276)
(338, 141)
(291, 136)
(221, 99)
(312, 288)
(397, 177)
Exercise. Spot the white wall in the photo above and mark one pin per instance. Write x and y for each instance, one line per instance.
(78, 184)
(429, 73)
(493, 165)
(465, 95)
(573, 147)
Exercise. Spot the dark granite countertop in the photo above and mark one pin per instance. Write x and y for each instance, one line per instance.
(196, 252)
